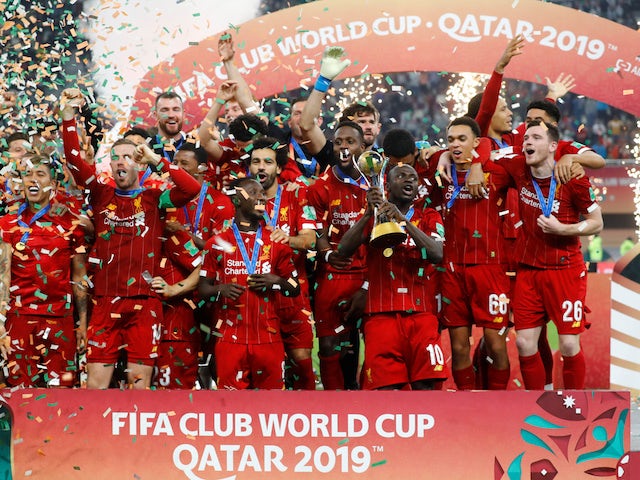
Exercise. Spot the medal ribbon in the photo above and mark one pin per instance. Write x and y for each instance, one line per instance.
(275, 213)
(250, 263)
(546, 205)
(361, 182)
(456, 188)
(309, 167)
(39, 214)
(196, 222)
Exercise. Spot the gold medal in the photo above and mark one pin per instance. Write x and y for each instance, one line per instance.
(387, 252)
(20, 246)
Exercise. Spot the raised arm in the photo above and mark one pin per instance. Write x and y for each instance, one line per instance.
(185, 186)
(492, 90)
(560, 87)
(208, 132)
(70, 101)
(331, 66)
(243, 95)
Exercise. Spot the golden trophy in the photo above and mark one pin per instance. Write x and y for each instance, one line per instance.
(386, 234)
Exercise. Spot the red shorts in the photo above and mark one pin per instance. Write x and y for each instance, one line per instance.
(475, 294)
(401, 348)
(177, 365)
(44, 350)
(295, 326)
(131, 324)
(330, 300)
(250, 366)
(178, 349)
(556, 295)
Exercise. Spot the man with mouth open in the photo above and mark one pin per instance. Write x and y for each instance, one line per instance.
(402, 341)
(338, 198)
(551, 279)
(127, 253)
(41, 269)
(475, 282)
(243, 271)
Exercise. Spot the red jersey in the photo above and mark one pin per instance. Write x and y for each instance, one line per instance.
(538, 249)
(294, 214)
(399, 283)
(251, 319)
(473, 232)
(207, 214)
(128, 225)
(41, 272)
(338, 205)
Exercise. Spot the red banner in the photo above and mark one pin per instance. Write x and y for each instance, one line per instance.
(282, 51)
(65, 434)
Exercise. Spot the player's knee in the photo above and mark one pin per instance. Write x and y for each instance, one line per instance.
(327, 346)
(569, 345)
(460, 349)
(526, 345)
(300, 354)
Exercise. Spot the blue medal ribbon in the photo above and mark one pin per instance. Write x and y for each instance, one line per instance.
(145, 175)
(39, 214)
(273, 220)
(546, 204)
(166, 154)
(250, 263)
(409, 215)
(361, 182)
(309, 166)
(196, 222)
(501, 143)
(129, 193)
(456, 188)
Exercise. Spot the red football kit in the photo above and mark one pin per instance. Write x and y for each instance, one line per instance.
(475, 285)
(40, 320)
(251, 320)
(402, 342)
(127, 251)
(205, 215)
(339, 203)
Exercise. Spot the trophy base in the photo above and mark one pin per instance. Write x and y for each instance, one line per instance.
(386, 235)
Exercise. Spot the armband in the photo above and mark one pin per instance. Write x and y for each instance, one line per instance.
(322, 84)
(365, 285)
(326, 255)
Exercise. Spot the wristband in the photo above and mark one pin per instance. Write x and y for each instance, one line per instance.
(365, 285)
(322, 84)
(326, 255)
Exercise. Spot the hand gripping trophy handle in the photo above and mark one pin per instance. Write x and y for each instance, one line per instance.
(385, 233)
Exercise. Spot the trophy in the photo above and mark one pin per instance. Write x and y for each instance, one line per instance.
(386, 234)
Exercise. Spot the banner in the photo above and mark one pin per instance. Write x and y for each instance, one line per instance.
(282, 51)
(224, 435)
